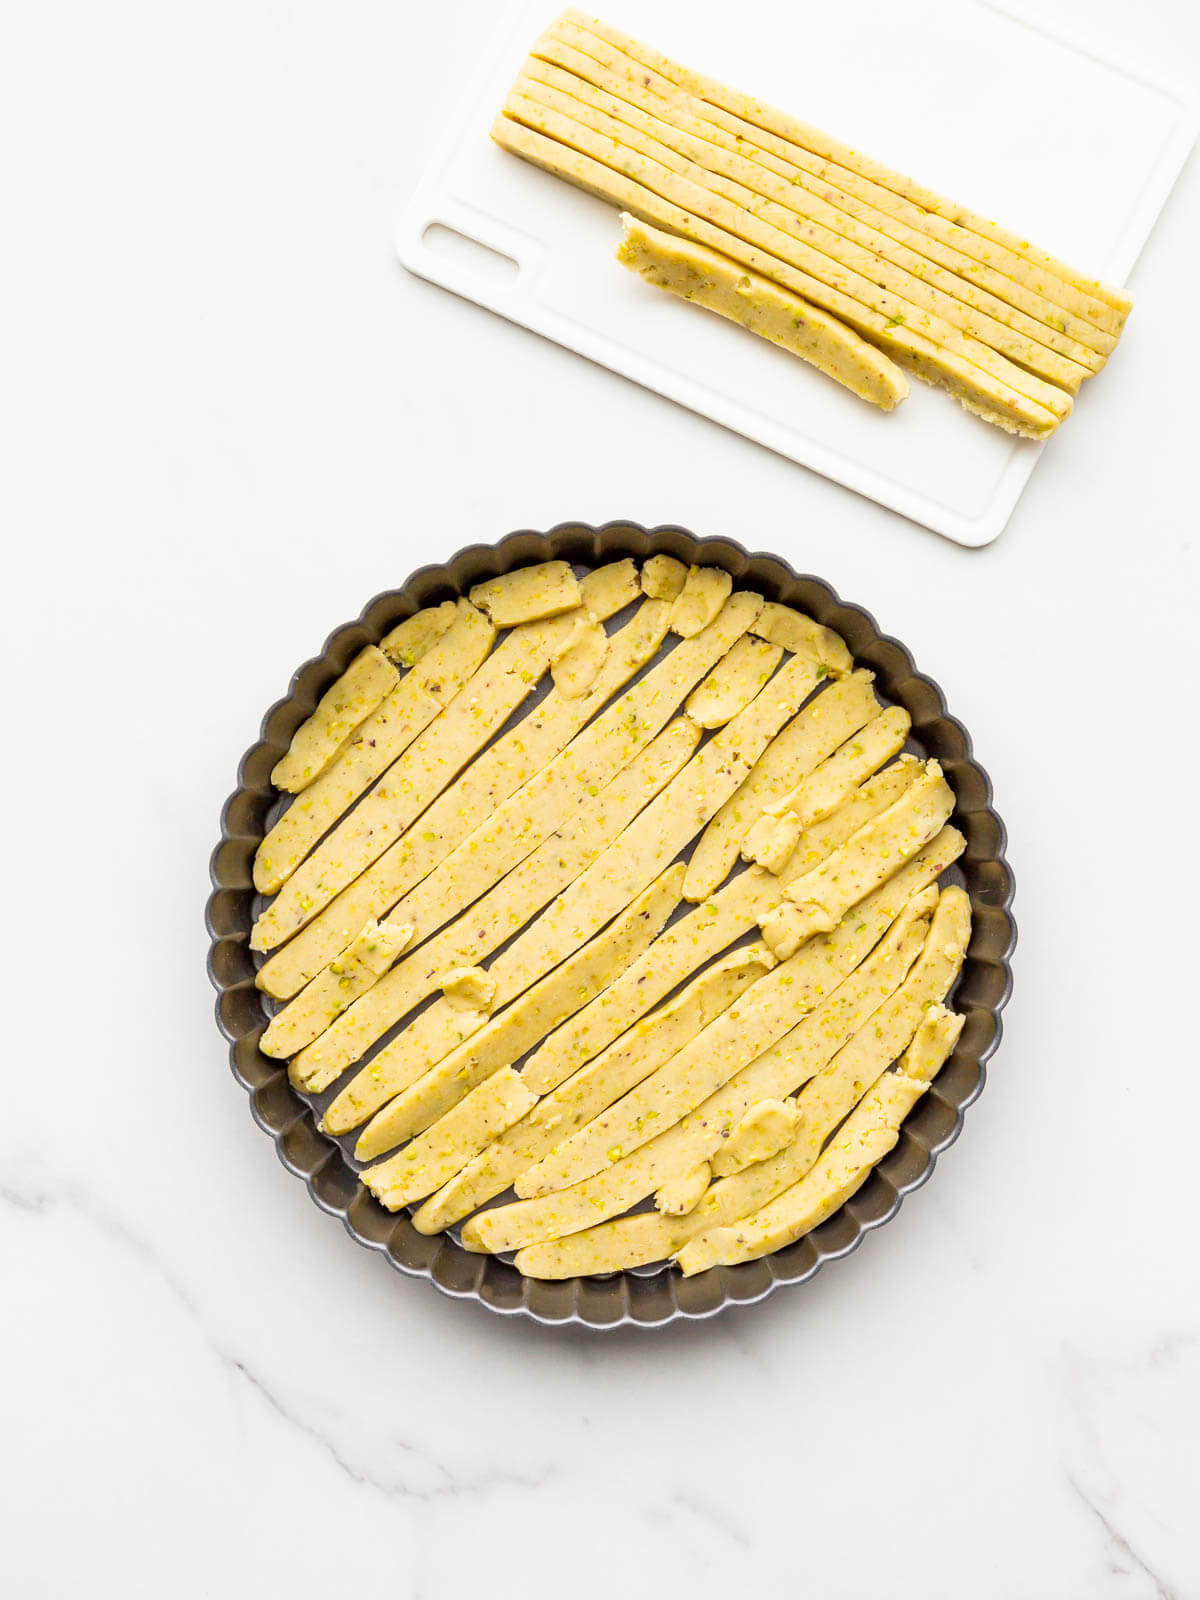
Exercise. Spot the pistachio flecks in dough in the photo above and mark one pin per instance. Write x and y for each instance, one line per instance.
(347, 703)
(771, 839)
(609, 589)
(733, 682)
(528, 594)
(577, 662)
(800, 635)
(414, 638)
(663, 578)
(365, 959)
(761, 1133)
(680, 1195)
(705, 590)
(469, 989)
(836, 779)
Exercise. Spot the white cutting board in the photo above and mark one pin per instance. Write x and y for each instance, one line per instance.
(1079, 154)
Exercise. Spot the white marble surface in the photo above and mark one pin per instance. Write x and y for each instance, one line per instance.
(226, 419)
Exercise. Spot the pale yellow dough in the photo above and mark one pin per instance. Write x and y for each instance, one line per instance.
(364, 960)
(694, 272)
(800, 635)
(765, 1129)
(416, 637)
(576, 664)
(363, 685)
(823, 838)
(836, 779)
(528, 594)
(680, 1195)
(733, 682)
(469, 989)
(663, 577)
(705, 590)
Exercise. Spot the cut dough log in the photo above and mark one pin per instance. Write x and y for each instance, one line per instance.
(411, 706)
(416, 637)
(694, 272)
(530, 1017)
(492, 777)
(733, 682)
(632, 1057)
(528, 594)
(828, 721)
(663, 577)
(802, 636)
(362, 963)
(705, 590)
(366, 682)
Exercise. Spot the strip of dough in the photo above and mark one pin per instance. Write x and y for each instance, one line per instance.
(773, 1008)
(694, 272)
(800, 635)
(347, 702)
(637, 1240)
(411, 706)
(825, 723)
(767, 1128)
(489, 697)
(528, 595)
(434, 1158)
(835, 251)
(733, 682)
(416, 636)
(817, 843)
(531, 1016)
(636, 1054)
(677, 953)
(838, 289)
(705, 590)
(610, 588)
(869, 1132)
(362, 963)
(989, 397)
(883, 212)
(496, 773)
(628, 865)
(1049, 274)
(663, 577)
(686, 1144)
(576, 662)
(506, 907)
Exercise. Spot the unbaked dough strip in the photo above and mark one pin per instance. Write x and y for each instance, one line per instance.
(663, 577)
(361, 964)
(368, 679)
(773, 1008)
(682, 1147)
(416, 635)
(733, 682)
(812, 180)
(694, 272)
(829, 254)
(506, 907)
(501, 769)
(838, 289)
(978, 232)
(647, 1237)
(615, 877)
(977, 390)
(636, 1054)
(409, 709)
(800, 635)
(826, 722)
(866, 1136)
(731, 914)
(818, 842)
(528, 594)
(505, 1038)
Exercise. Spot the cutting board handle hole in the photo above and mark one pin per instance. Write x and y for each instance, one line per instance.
(452, 245)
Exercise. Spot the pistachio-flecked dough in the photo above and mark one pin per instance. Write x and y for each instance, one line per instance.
(469, 989)
(839, 196)
(733, 682)
(608, 589)
(800, 635)
(627, 1060)
(506, 908)
(571, 158)
(417, 635)
(433, 1158)
(349, 701)
(663, 577)
(507, 677)
(577, 662)
(771, 840)
(694, 272)
(528, 594)
(501, 769)
(985, 239)
(626, 867)
(799, 988)
(823, 838)
(784, 927)
(835, 780)
(841, 290)
(530, 1017)
(680, 1195)
(406, 712)
(629, 1178)
(765, 1129)
(705, 590)
(681, 950)
(812, 219)
(642, 1238)
(823, 724)
(365, 959)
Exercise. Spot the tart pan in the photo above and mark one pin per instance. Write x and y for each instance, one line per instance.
(647, 1297)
